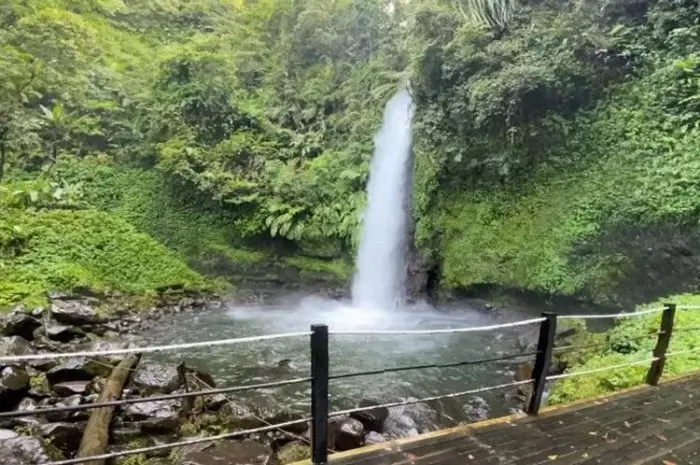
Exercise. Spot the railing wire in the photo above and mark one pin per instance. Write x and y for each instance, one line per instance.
(610, 315)
(147, 350)
(429, 366)
(599, 370)
(470, 329)
(172, 445)
(429, 399)
(139, 400)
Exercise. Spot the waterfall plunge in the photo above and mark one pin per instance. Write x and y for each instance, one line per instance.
(380, 276)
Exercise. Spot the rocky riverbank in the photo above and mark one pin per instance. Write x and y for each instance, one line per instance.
(93, 323)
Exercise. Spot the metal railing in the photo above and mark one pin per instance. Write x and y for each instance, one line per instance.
(319, 378)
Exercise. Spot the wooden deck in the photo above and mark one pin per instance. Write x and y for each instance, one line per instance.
(650, 425)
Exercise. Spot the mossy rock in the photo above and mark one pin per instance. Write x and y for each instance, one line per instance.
(293, 452)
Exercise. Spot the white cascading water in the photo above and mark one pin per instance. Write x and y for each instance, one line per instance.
(380, 275)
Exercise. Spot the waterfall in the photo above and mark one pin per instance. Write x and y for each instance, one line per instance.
(380, 270)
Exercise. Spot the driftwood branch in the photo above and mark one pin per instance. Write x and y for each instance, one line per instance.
(96, 433)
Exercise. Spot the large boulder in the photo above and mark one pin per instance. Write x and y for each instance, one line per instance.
(15, 345)
(350, 435)
(14, 385)
(74, 312)
(372, 420)
(226, 453)
(476, 409)
(25, 450)
(399, 425)
(156, 416)
(19, 324)
(237, 416)
(150, 378)
(64, 436)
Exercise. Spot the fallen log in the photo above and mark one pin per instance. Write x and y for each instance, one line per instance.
(96, 435)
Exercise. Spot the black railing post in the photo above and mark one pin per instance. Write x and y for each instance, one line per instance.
(319, 394)
(545, 344)
(665, 330)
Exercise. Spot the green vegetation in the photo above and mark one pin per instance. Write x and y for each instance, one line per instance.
(556, 142)
(237, 135)
(560, 154)
(631, 340)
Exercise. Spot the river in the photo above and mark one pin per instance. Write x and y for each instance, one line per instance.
(267, 361)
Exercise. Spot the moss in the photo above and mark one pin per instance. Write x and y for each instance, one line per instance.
(333, 270)
(40, 384)
(98, 250)
(293, 452)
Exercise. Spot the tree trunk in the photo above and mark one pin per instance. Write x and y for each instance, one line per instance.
(96, 433)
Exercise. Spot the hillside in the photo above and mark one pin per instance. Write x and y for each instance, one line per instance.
(559, 153)
(555, 141)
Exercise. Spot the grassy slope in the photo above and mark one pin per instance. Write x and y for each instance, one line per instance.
(196, 229)
(619, 350)
(64, 249)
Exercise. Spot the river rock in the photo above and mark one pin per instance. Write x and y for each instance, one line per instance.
(351, 435)
(226, 453)
(215, 402)
(374, 438)
(71, 401)
(293, 452)
(237, 416)
(399, 425)
(15, 345)
(77, 369)
(25, 450)
(65, 436)
(155, 377)
(20, 324)
(476, 409)
(63, 333)
(156, 416)
(14, 385)
(39, 385)
(7, 434)
(69, 388)
(372, 420)
(74, 312)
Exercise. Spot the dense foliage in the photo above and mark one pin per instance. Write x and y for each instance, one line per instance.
(555, 141)
(560, 154)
